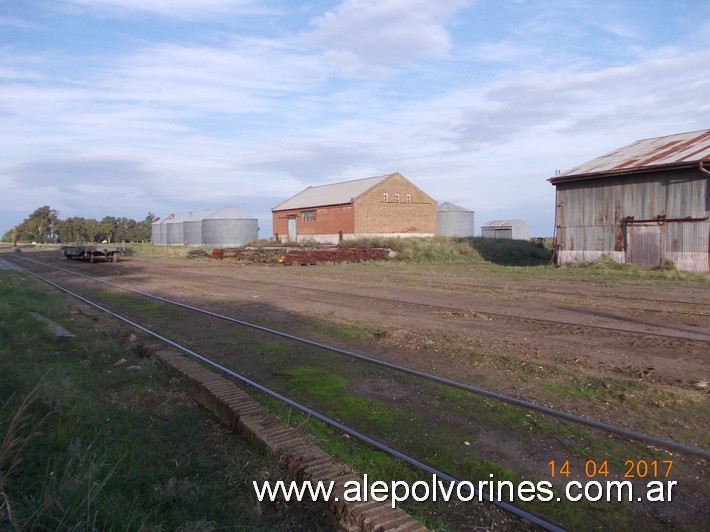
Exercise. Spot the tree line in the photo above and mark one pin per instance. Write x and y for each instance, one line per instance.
(44, 226)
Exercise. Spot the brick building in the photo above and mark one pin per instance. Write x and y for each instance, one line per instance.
(388, 205)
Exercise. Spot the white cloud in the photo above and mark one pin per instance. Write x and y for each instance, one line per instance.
(386, 31)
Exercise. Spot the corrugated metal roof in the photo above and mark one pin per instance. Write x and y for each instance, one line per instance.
(502, 223)
(333, 194)
(178, 218)
(681, 150)
(450, 207)
(229, 213)
(166, 219)
(198, 216)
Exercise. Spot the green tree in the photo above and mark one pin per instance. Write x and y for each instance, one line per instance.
(40, 226)
(107, 228)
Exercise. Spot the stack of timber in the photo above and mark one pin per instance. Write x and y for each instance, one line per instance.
(249, 254)
(301, 256)
(305, 257)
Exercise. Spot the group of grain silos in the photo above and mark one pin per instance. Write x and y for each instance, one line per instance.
(227, 227)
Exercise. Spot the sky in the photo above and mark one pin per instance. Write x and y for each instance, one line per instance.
(128, 107)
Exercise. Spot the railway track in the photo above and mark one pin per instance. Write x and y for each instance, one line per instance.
(581, 316)
(402, 376)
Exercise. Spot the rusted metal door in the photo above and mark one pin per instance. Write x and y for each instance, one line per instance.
(644, 245)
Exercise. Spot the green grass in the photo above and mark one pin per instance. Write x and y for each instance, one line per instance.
(339, 330)
(455, 250)
(135, 303)
(448, 447)
(98, 447)
(327, 388)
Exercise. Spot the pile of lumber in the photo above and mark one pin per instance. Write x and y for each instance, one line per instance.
(304, 257)
(301, 256)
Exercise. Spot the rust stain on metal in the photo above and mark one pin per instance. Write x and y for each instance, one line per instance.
(618, 238)
(670, 150)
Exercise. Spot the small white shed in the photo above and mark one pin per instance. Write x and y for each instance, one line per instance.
(514, 229)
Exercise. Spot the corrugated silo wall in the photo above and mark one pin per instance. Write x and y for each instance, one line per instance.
(192, 232)
(159, 235)
(175, 234)
(455, 224)
(590, 213)
(229, 233)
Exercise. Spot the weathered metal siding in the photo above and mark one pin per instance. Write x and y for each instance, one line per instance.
(497, 232)
(591, 218)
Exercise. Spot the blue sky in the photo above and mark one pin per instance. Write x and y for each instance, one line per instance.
(124, 107)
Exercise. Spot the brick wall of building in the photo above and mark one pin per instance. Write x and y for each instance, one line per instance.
(328, 220)
(412, 212)
(394, 207)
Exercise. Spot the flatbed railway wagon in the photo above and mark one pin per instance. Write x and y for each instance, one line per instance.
(92, 253)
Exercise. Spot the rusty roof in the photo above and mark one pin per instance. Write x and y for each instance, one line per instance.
(683, 150)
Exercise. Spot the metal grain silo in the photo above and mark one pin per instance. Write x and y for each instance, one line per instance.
(229, 227)
(159, 231)
(453, 220)
(175, 233)
(192, 227)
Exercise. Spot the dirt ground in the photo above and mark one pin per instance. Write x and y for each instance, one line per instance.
(469, 324)
(620, 351)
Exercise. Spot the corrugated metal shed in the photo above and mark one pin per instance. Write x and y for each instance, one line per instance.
(515, 229)
(642, 204)
(654, 154)
(333, 194)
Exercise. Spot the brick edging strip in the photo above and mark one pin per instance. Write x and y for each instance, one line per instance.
(304, 460)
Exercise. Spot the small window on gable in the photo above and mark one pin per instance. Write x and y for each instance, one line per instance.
(396, 198)
(308, 216)
(409, 198)
(386, 197)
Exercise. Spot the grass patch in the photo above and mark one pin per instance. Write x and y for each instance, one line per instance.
(338, 330)
(98, 447)
(456, 250)
(134, 303)
(330, 389)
